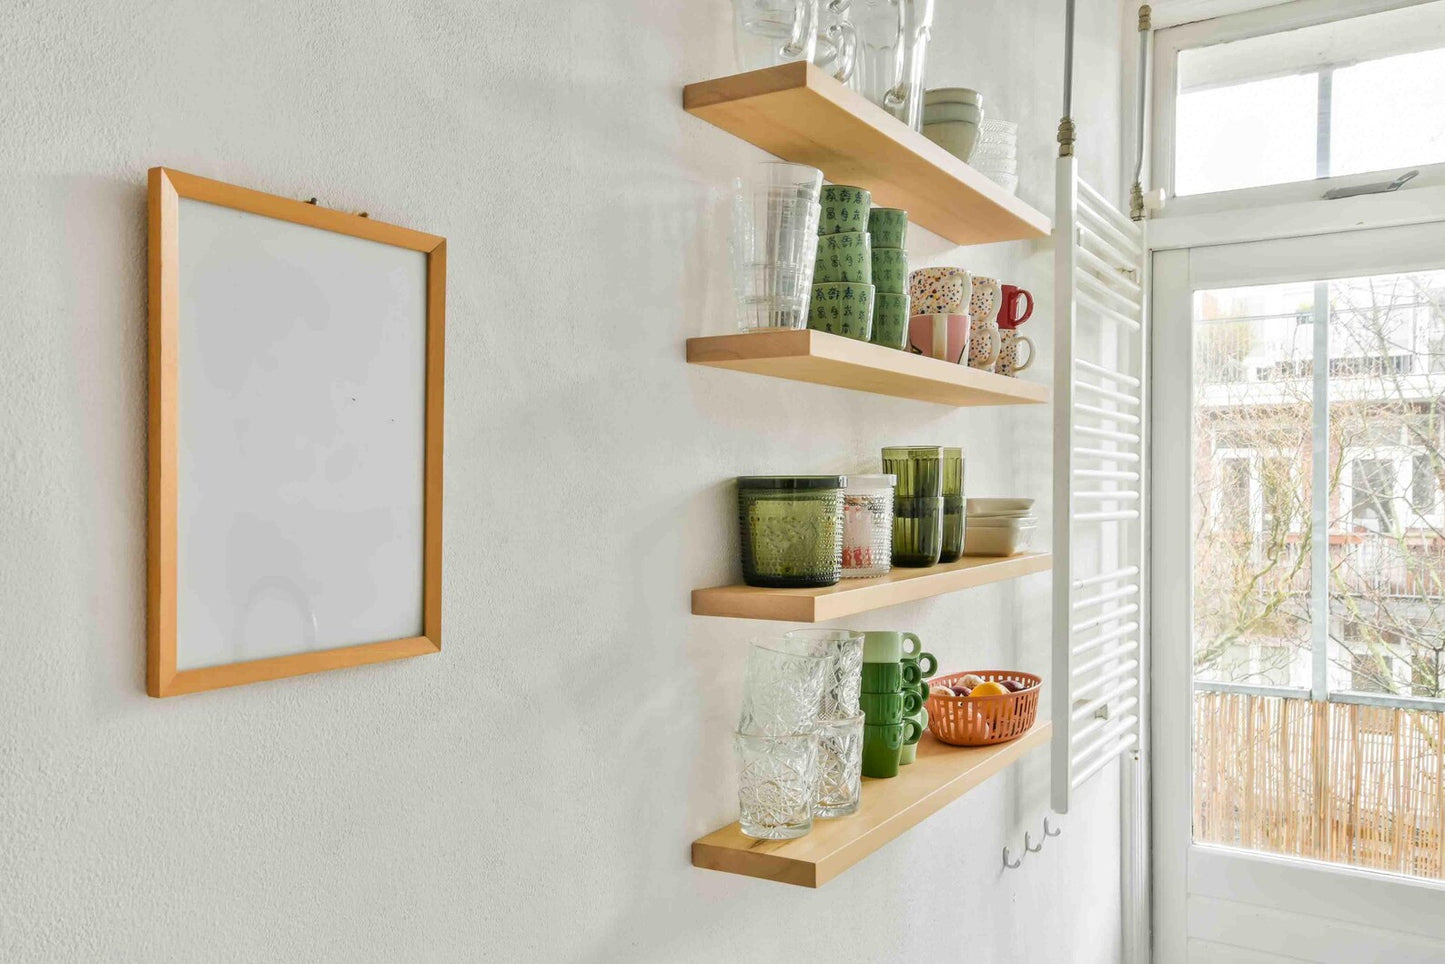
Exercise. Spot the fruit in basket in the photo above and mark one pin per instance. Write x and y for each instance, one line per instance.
(988, 688)
(971, 680)
(1014, 686)
(960, 691)
(940, 691)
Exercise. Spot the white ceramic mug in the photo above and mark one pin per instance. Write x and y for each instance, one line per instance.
(984, 344)
(1008, 352)
(940, 291)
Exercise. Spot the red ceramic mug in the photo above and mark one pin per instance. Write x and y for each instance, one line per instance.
(1008, 304)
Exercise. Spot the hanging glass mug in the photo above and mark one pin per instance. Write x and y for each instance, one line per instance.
(771, 32)
(837, 40)
(893, 40)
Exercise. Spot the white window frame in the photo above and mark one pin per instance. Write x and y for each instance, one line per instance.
(1253, 23)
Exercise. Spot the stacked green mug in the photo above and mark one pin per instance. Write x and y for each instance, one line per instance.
(842, 299)
(916, 677)
(953, 514)
(888, 229)
(890, 707)
(917, 503)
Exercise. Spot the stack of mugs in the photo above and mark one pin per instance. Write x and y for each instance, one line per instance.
(918, 503)
(799, 741)
(1016, 306)
(918, 666)
(951, 116)
(995, 156)
(842, 294)
(890, 705)
(955, 316)
(888, 231)
(774, 237)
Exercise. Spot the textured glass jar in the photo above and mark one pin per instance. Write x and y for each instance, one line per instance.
(791, 529)
(917, 532)
(868, 526)
(918, 469)
(953, 514)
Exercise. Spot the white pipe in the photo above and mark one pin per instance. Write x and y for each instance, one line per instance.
(1116, 220)
(1092, 707)
(1105, 413)
(1093, 304)
(1083, 669)
(1110, 254)
(1104, 577)
(1106, 474)
(1123, 515)
(1104, 761)
(1108, 373)
(1103, 638)
(1106, 455)
(1110, 275)
(1119, 397)
(1128, 307)
(1123, 669)
(1103, 597)
(1115, 728)
(1094, 622)
(1128, 437)
(1099, 722)
(1099, 224)
(1118, 495)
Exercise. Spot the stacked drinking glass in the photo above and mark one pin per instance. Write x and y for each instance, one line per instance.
(995, 154)
(799, 742)
(774, 244)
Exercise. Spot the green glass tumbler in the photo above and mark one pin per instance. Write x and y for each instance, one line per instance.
(791, 530)
(917, 532)
(919, 470)
(953, 505)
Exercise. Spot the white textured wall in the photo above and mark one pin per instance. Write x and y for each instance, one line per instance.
(531, 792)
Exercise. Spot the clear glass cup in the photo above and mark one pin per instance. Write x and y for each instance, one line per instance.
(840, 767)
(868, 526)
(893, 40)
(771, 32)
(906, 101)
(783, 687)
(774, 244)
(844, 678)
(777, 783)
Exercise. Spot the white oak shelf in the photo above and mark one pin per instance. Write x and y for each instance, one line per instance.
(805, 355)
(801, 114)
(852, 596)
(940, 775)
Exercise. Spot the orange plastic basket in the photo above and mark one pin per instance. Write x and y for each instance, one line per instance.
(981, 720)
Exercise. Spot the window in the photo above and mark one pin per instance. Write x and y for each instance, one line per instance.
(1347, 97)
(1422, 482)
(1373, 488)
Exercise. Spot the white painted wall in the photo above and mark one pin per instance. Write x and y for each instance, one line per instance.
(531, 792)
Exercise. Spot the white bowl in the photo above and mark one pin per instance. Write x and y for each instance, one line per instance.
(996, 540)
(996, 506)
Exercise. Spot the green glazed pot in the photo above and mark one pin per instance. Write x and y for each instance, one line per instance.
(890, 320)
(882, 677)
(889, 227)
(890, 270)
(845, 208)
(917, 532)
(844, 257)
(843, 309)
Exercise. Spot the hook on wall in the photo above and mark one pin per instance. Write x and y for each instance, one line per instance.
(1031, 849)
(1048, 832)
(1011, 864)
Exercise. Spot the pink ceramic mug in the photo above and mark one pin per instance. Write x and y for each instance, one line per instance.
(940, 336)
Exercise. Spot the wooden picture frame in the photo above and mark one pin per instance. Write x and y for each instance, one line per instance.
(167, 189)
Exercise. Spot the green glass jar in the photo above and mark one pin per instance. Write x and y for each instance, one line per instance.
(791, 529)
(953, 520)
(919, 470)
(917, 532)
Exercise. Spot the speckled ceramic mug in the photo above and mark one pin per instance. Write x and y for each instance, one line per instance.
(940, 291)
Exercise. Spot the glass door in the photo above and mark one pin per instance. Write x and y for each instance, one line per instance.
(1300, 694)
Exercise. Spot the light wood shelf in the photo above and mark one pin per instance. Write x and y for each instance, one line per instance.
(853, 596)
(804, 355)
(940, 775)
(801, 114)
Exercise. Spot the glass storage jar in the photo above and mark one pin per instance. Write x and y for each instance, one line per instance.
(953, 514)
(868, 526)
(791, 529)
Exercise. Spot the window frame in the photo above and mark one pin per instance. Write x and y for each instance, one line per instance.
(1170, 41)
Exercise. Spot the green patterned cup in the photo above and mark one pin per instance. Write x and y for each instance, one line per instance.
(844, 257)
(890, 320)
(842, 309)
(890, 270)
(889, 227)
(845, 208)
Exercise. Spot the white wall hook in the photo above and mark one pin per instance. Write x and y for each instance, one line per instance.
(1010, 865)
(1048, 832)
(1028, 848)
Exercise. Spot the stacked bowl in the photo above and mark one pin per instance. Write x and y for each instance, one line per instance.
(951, 118)
(842, 301)
(995, 155)
(998, 527)
(888, 231)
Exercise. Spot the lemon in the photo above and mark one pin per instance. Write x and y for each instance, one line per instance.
(989, 688)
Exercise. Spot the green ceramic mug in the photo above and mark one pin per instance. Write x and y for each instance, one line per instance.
(845, 208)
(889, 647)
(842, 308)
(844, 257)
(883, 746)
(931, 669)
(889, 227)
(879, 708)
(909, 752)
(882, 677)
(890, 270)
(890, 320)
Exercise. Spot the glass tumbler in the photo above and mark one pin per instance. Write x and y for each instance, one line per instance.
(840, 767)
(953, 505)
(837, 40)
(783, 686)
(843, 679)
(774, 244)
(791, 530)
(771, 32)
(868, 526)
(917, 532)
(777, 782)
(918, 468)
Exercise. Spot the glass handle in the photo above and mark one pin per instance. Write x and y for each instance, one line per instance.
(805, 24)
(845, 40)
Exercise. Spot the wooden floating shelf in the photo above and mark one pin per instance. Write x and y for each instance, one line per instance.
(853, 596)
(804, 355)
(801, 114)
(940, 775)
